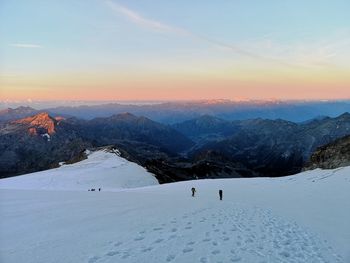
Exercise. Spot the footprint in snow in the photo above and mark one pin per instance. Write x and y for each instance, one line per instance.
(187, 249)
(284, 254)
(93, 259)
(159, 240)
(215, 252)
(249, 240)
(112, 253)
(236, 259)
(147, 249)
(126, 255)
(170, 258)
(118, 244)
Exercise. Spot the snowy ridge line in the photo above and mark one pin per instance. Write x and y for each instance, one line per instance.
(103, 168)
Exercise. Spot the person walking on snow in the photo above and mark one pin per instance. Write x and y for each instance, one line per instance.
(193, 191)
(220, 194)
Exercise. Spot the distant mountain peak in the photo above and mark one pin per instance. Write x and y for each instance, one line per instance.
(345, 115)
(17, 110)
(123, 116)
(24, 108)
(126, 115)
(209, 118)
(39, 121)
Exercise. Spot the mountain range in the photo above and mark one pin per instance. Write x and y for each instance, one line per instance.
(179, 111)
(274, 147)
(204, 147)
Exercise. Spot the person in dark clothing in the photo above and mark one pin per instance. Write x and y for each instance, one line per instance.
(193, 191)
(220, 194)
(99, 189)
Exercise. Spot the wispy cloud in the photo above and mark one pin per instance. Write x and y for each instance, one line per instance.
(144, 22)
(26, 45)
(309, 60)
(155, 25)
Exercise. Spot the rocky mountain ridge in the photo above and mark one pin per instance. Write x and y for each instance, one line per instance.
(179, 111)
(330, 156)
(42, 121)
(207, 147)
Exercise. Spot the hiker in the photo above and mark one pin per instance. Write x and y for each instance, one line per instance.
(193, 191)
(99, 189)
(220, 194)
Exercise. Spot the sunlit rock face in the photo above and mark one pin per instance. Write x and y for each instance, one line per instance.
(40, 123)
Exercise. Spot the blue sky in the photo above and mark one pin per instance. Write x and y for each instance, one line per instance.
(42, 41)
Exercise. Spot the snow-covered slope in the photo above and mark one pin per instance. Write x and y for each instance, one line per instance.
(302, 218)
(102, 169)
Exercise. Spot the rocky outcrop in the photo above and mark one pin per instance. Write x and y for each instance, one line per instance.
(331, 156)
(37, 143)
(39, 124)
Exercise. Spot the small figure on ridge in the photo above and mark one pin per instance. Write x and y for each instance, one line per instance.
(193, 191)
(220, 194)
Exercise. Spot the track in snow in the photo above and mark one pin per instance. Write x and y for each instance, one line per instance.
(220, 235)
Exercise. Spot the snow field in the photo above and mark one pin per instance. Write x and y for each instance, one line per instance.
(102, 168)
(220, 235)
(294, 219)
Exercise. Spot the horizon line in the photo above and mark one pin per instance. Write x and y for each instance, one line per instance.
(82, 102)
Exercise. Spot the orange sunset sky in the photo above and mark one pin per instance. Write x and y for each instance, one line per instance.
(130, 50)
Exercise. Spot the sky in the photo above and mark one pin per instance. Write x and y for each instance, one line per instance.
(174, 50)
